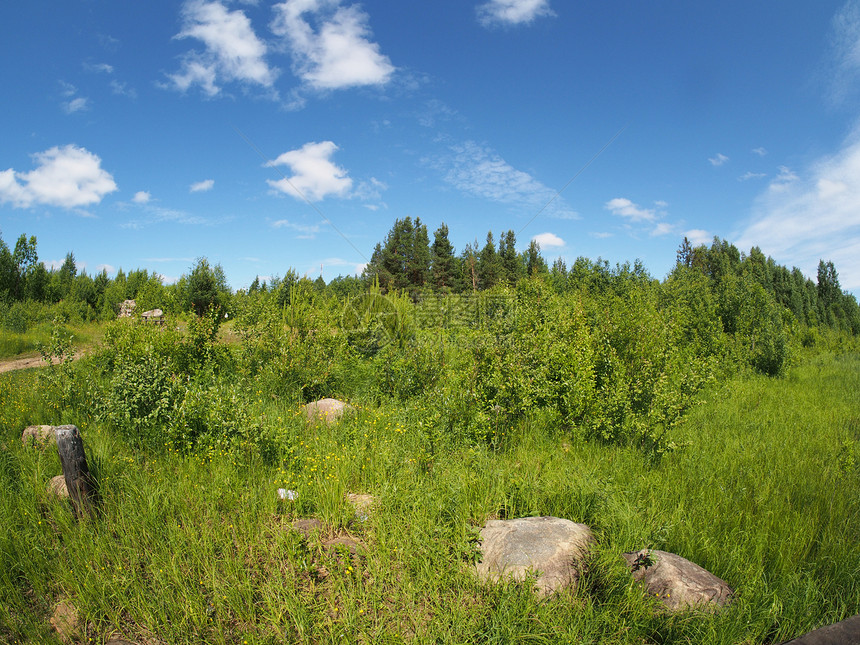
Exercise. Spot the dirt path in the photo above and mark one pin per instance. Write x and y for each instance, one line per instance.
(9, 365)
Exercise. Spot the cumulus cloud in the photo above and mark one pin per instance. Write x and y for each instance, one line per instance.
(548, 240)
(478, 170)
(315, 176)
(801, 219)
(68, 177)
(752, 175)
(719, 160)
(623, 207)
(512, 12)
(761, 152)
(339, 52)
(698, 236)
(232, 51)
(202, 186)
(141, 197)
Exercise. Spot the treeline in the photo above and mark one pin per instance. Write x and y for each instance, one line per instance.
(407, 262)
(31, 293)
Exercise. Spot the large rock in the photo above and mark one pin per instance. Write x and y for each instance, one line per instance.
(326, 410)
(551, 548)
(39, 434)
(846, 631)
(676, 582)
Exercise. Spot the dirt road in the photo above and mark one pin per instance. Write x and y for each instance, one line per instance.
(11, 364)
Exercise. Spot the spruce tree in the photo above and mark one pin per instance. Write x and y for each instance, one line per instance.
(442, 261)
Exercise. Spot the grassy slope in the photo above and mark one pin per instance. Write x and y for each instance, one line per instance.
(766, 495)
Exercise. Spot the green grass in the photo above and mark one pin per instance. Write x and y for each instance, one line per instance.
(21, 345)
(196, 548)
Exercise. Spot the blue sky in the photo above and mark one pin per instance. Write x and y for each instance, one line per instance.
(270, 135)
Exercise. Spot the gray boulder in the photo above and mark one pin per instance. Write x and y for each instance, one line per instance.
(328, 411)
(39, 434)
(676, 582)
(845, 631)
(550, 548)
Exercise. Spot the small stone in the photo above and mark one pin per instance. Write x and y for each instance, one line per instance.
(350, 544)
(57, 486)
(363, 503)
(550, 548)
(306, 526)
(39, 434)
(328, 411)
(65, 621)
(676, 582)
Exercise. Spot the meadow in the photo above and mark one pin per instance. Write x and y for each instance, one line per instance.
(632, 410)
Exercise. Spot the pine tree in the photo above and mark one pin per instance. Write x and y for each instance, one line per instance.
(489, 265)
(510, 259)
(442, 261)
(535, 264)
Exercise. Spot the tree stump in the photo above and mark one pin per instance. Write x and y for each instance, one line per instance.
(82, 487)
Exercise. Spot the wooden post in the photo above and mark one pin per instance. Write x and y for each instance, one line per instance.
(82, 486)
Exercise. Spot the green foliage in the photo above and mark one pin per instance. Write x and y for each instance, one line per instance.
(141, 399)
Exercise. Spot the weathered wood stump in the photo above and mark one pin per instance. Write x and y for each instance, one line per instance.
(82, 486)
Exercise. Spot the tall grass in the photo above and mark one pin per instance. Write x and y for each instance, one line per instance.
(196, 547)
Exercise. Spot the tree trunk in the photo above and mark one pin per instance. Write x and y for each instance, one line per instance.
(82, 486)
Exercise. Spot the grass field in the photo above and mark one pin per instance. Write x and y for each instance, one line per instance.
(764, 491)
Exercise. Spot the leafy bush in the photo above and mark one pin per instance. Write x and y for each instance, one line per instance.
(142, 397)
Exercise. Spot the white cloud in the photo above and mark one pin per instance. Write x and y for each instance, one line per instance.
(68, 177)
(547, 240)
(845, 53)
(232, 50)
(308, 232)
(601, 235)
(761, 152)
(662, 228)
(751, 175)
(478, 170)
(202, 186)
(698, 236)
(141, 197)
(719, 160)
(74, 103)
(801, 220)
(339, 53)
(783, 180)
(105, 267)
(78, 104)
(122, 89)
(158, 215)
(623, 207)
(315, 176)
(512, 12)
(359, 268)
(102, 68)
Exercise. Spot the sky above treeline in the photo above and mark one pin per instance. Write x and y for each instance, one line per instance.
(274, 135)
